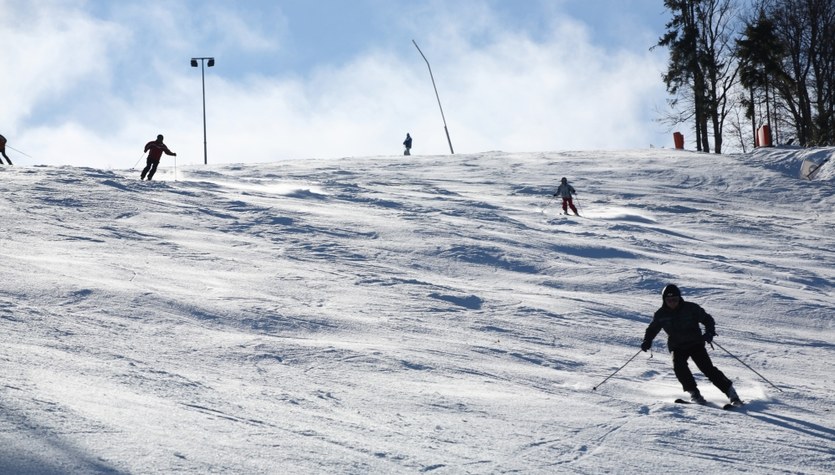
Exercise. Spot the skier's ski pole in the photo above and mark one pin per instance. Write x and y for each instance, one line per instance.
(616, 371)
(547, 204)
(578, 204)
(18, 151)
(752, 369)
(137, 162)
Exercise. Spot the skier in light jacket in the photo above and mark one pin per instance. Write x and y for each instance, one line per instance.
(565, 191)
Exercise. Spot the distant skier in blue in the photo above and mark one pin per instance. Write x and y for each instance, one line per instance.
(408, 144)
(565, 191)
(155, 150)
(680, 321)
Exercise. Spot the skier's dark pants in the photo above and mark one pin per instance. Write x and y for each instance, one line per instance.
(699, 355)
(150, 169)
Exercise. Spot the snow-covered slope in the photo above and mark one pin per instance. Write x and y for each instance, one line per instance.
(413, 315)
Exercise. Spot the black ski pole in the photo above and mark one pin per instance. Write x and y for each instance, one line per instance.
(752, 369)
(137, 162)
(616, 371)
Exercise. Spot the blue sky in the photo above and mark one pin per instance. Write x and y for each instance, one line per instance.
(92, 81)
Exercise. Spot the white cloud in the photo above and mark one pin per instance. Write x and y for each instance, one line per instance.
(55, 49)
(501, 88)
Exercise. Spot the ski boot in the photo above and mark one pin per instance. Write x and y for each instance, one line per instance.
(735, 400)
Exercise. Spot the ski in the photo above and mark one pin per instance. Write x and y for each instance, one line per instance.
(684, 401)
(725, 407)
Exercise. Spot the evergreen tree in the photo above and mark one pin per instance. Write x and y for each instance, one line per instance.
(759, 52)
(683, 70)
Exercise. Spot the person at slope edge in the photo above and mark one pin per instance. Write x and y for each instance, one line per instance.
(3, 150)
(155, 150)
(565, 191)
(680, 321)
(408, 144)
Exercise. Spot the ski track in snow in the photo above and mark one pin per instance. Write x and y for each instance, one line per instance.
(413, 315)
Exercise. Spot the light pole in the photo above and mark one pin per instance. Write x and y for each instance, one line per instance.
(203, 78)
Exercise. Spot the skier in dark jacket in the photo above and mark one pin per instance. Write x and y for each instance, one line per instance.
(408, 144)
(680, 321)
(155, 150)
(3, 150)
(565, 191)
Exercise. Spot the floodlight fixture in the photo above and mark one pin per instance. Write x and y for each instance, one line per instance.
(211, 62)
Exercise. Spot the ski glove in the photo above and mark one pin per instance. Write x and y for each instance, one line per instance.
(708, 337)
(646, 345)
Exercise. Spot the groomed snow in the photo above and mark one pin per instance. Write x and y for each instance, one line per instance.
(424, 314)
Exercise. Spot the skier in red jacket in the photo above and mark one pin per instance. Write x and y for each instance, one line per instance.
(155, 150)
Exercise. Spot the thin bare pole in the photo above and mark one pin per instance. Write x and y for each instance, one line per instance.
(437, 96)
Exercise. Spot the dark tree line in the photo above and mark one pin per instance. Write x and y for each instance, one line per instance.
(773, 60)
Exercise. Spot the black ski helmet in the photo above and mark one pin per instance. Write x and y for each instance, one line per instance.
(159, 138)
(564, 180)
(670, 290)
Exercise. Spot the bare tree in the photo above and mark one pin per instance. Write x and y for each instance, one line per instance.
(701, 38)
(805, 81)
(718, 29)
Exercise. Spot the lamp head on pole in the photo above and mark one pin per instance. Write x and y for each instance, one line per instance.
(193, 62)
(211, 62)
